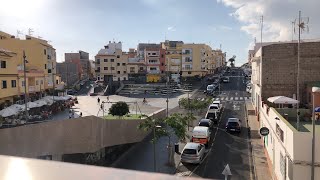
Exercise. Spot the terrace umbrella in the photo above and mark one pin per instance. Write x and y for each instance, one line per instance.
(282, 100)
(11, 110)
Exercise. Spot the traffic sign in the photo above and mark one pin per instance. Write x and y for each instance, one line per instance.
(264, 131)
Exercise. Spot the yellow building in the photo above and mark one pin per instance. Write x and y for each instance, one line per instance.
(9, 87)
(173, 59)
(111, 63)
(41, 56)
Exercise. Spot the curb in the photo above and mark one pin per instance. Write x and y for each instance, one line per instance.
(251, 149)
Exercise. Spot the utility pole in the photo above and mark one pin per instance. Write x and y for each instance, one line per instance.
(167, 92)
(25, 86)
(53, 81)
(261, 29)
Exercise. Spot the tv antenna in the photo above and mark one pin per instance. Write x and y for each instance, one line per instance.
(19, 33)
(30, 31)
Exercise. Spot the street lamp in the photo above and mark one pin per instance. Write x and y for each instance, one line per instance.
(314, 90)
(154, 146)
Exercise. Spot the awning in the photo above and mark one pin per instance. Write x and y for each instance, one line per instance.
(11, 110)
(282, 100)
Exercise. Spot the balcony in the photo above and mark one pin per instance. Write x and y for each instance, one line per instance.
(97, 70)
(157, 62)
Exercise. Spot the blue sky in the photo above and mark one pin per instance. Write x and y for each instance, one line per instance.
(73, 25)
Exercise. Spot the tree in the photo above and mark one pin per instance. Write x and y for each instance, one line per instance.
(232, 60)
(119, 109)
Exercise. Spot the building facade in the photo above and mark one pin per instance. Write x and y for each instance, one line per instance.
(111, 63)
(69, 73)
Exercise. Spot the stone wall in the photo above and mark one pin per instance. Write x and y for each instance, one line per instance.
(279, 68)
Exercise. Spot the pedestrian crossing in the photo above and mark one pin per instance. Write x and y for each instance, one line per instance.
(231, 98)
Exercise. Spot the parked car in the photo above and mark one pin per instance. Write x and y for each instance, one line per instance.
(226, 79)
(214, 108)
(201, 135)
(233, 125)
(218, 103)
(213, 116)
(206, 123)
(193, 153)
(210, 88)
(71, 92)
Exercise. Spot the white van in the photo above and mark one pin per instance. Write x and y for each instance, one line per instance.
(201, 134)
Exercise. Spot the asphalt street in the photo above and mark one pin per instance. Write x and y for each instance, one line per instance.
(226, 148)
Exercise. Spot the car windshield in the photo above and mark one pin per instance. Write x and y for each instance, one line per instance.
(214, 107)
(189, 151)
(211, 115)
(232, 124)
(204, 124)
(210, 87)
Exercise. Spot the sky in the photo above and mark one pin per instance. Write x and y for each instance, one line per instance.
(73, 25)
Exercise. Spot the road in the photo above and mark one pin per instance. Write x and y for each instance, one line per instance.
(228, 148)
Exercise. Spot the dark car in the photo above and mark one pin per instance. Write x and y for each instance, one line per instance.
(213, 116)
(233, 125)
(71, 92)
(206, 122)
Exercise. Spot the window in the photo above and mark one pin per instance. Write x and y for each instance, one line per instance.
(141, 68)
(118, 56)
(105, 68)
(154, 54)
(41, 81)
(57, 81)
(123, 64)
(105, 60)
(132, 69)
(118, 79)
(153, 68)
(4, 84)
(118, 64)
(49, 70)
(118, 72)
(3, 64)
(112, 60)
(13, 83)
(162, 56)
(45, 52)
(188, 59)
(124, 78)
(124, 72)
(189, 72)
(162, 64)
(148, 53)
(45, 66)
(112, 68)
(153, 61)
(37, 82)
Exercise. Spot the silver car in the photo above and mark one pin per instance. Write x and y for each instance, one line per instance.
(193, 153)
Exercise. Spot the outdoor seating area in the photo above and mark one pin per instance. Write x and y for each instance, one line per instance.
(38, 111)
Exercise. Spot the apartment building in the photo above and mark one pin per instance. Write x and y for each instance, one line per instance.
(274, 73)
(173, 58)
(111, 63)
(153, 56)
(137, 70)
(274, 70)
(69, 73)
(9, 87)
(41, 56)
(219, 59)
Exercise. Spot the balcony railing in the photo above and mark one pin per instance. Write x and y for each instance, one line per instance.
(97, 70)
(154, 71)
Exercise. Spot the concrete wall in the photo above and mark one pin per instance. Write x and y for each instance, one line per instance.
(81, 135)
(279, 68)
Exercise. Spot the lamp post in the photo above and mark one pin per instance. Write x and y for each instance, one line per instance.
(154, 146)
(25, 85)
(314, 90)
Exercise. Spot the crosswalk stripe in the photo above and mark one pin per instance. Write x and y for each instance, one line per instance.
(236, 98)
(231, 98)
(241, 98)
(222, 99)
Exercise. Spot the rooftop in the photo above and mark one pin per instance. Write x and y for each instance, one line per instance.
(288, 115)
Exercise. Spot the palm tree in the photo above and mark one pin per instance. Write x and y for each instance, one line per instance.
(232, 60)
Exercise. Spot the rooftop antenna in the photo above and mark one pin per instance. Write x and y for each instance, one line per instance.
(220, 46)
(19, 33)
(30, 31)
(302, 24)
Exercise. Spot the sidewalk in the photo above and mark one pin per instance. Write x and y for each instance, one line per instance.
(260, 161)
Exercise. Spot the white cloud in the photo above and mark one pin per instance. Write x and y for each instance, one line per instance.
(225, 28)
(278, 15)
(171, 28)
